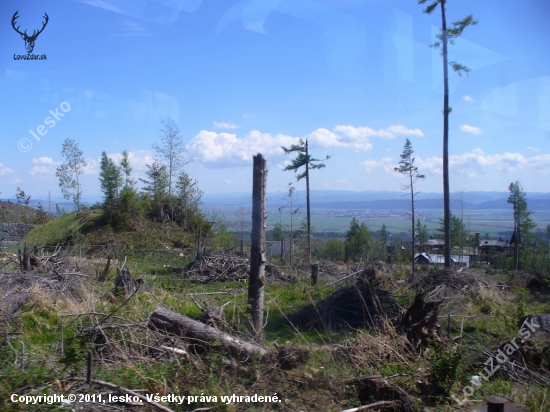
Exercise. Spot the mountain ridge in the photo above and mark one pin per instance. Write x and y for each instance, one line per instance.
(346, 199)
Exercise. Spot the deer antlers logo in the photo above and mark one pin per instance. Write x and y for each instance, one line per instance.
(29, 40)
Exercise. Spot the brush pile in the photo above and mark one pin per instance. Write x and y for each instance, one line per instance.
(69, 286)
(226, 268)
(444, 282)
(353, 307)
(528, 365)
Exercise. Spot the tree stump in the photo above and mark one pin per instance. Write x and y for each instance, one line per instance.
(124, 283)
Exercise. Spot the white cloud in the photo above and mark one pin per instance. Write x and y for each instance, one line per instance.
(224, 125)
(44, 167)
(385, 165)
(469, 164)
(103, 4)
(476, 163)
(533, 149)
(44, 161)
(4, 170)
(471, 129)
(138, 159)
(357, 138)
(469, 98)
(391, 132)
(226, 149)
(92, 166)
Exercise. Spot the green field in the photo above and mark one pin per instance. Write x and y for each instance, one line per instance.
(495, 222)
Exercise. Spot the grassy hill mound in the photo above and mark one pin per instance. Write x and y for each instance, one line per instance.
(89, 228)
(17, 213)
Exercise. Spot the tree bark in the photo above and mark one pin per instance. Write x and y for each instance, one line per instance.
(172, 322)
(257, 249)
(307, 207)
(413, 233)
(446, 189)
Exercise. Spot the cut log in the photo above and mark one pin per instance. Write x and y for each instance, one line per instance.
(165, 320)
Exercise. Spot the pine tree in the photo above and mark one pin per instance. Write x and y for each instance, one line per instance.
(410, 171)
(458, 230)
(421, 234)
(291, 198)
(111, 181)
(22, 197)
(41, 215)
(304, 159)
(156, 188)
(522, 220)
(126, 169)
(358, 240)
(447, 35)
(189, 197)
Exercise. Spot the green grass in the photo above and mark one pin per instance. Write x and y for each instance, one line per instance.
(57, 230)
(489, 319)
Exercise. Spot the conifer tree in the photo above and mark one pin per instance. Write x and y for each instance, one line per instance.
(111, 180)
(522, 220)
(305, 160)
(410, 171)
(446, 36)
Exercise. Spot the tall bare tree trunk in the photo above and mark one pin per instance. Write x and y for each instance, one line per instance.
(413, 232)
(446, 190)
(257, 250)
(307, 207)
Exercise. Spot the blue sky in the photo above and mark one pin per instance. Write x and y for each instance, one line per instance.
(355, 77)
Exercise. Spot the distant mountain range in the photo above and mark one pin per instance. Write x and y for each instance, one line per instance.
(345, 199)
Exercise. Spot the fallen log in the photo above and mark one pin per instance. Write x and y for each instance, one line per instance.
(12, 301)
(165, 320)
